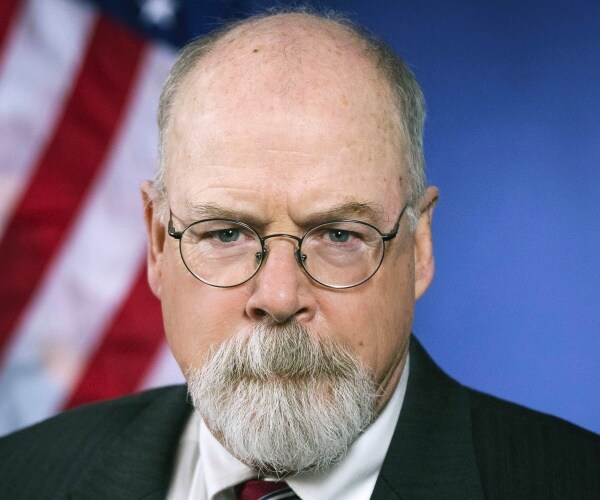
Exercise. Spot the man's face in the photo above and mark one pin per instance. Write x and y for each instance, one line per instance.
(277, 142)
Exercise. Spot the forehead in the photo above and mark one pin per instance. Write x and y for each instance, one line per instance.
(282, 102)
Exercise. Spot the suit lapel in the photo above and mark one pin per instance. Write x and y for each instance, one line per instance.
(431, 454)
(138, 463)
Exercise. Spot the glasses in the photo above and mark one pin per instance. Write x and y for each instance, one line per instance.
(338, 254)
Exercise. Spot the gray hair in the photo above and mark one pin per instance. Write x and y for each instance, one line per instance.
(408, 97)
(315, 393)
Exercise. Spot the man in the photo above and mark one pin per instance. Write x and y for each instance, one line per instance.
(289, 237)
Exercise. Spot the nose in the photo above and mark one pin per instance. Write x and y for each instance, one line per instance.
(280, 291)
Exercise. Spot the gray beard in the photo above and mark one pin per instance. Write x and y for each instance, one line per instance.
(282, 401)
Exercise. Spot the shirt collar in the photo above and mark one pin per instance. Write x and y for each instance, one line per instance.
(221, 469)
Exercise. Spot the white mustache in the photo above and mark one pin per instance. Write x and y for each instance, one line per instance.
(283, 350)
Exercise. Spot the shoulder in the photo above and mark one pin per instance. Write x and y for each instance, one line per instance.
(517, 452)
(97, 419)
(493, 416)
(63, 446)
(525, 453)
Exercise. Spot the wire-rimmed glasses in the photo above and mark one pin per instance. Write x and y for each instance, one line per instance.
(338, 254)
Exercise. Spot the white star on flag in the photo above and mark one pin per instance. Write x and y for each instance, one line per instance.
(158, 12)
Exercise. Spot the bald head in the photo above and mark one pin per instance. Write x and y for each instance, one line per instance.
(299, 64)
(286, 58)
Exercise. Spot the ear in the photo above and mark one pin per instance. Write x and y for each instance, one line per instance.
(423, 244)
(156, 232)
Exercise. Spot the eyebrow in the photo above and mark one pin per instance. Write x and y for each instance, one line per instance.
(368, 212)
(198, 211)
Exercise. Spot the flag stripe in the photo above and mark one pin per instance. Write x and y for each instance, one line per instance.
(61, 179)
(35, 80)
(84, 300)
(95, 269)
(8, 10)
(127, 350)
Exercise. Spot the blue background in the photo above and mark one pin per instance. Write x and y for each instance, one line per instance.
(513, 142)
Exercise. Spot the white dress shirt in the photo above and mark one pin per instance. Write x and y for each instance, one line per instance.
(205, 470)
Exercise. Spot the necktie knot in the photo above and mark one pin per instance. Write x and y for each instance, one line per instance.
(256, 489)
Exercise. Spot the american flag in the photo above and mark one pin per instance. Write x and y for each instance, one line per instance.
(78, 94)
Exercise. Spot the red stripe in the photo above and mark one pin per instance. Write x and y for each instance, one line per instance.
(8, 11)
(67, 168)
(127, 350)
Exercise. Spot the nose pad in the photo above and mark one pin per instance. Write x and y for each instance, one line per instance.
(300, 257)
(261, 256)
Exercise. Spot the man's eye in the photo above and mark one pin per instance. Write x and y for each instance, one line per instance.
(339, 235)
(228, 235)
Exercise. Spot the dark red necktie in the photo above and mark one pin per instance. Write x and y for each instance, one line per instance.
(265, 490)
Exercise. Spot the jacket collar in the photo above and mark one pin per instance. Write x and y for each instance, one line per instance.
(138, 463)
(431, 454)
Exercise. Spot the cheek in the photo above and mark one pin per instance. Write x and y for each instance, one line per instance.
(375, 319)
(197, 316)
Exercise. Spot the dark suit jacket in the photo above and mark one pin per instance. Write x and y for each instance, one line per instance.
(450, 443)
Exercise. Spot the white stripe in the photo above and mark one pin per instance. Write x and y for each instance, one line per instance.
(87, 283)
(42, 56)
(164, 370)
(280, 495)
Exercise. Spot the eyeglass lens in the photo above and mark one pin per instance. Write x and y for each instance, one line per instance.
(226, 253)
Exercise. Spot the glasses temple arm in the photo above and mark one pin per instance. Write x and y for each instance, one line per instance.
(392, 234)
(171, 228)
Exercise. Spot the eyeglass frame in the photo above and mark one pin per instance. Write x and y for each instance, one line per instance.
(300, 258)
